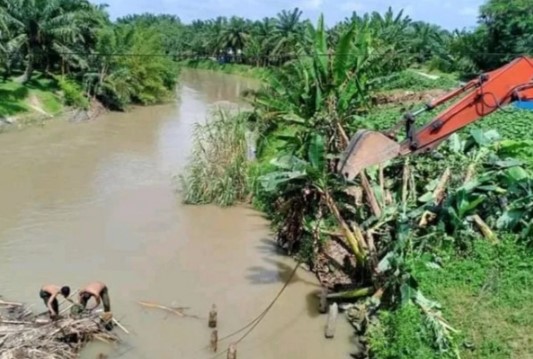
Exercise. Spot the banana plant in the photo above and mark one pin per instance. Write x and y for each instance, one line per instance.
(291, 169)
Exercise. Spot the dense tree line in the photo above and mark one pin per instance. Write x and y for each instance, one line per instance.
(504, 31)
(76, 41)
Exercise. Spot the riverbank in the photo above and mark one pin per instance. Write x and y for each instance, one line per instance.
(259, 73)
(27, 104)
(286, 189)
(107, 184)
(43, 99)
(48, 98)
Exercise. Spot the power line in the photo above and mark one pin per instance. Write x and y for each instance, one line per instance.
(277, 56)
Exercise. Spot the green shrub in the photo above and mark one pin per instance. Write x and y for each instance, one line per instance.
(73, 93)
(401, 335)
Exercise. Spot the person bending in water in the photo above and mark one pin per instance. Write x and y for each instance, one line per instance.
(49, 295)
(99, 291)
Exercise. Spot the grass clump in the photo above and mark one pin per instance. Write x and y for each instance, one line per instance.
(486, 292)
(401, 335)
(40, 94)
(73, 93)
(217, 171)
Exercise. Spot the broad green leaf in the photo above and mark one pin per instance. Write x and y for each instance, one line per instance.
(427, 197)
(509, 219)
(321, 48)
(343, 55)
(385, 263)
(407, 293)
(516, 174)
(272, 180)
(316, 151)
(288, 162)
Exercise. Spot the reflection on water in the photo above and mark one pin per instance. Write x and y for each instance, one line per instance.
(97, 201)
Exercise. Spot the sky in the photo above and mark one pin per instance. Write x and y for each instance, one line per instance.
(449, 14)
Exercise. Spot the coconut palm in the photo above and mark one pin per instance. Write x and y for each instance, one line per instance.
(288, 34)
(235, 35)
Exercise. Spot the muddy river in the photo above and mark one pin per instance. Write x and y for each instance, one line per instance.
(97, 201)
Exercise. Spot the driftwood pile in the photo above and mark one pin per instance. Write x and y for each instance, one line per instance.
(24, 335)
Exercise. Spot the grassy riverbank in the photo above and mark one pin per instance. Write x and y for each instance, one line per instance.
(41, 95)
(28, 104)
(438, 246)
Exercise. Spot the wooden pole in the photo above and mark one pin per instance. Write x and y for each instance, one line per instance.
(323, 305)
(332, 320)
(232, 351)
(214, 340)
(213, 317)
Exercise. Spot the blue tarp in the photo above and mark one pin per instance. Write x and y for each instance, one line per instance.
(525, 105)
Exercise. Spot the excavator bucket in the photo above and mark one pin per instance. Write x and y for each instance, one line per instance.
(366, 148)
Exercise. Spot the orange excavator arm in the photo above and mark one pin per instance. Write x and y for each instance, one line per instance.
(482, 96)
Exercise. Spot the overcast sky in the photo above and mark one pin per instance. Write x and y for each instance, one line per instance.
(449, 14)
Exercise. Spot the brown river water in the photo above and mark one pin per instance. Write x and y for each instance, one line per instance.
(97, 201)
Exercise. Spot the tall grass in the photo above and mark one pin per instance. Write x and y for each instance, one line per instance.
(217, 170)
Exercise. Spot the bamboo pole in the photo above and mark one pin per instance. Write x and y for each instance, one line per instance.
(332, 320)
(171, 310)
(11, 303)
(120, 326)
(484, 228)
(406, 171)
(214, 340)
(371, 196)
(232, 351)
(323, 305)
(212, 323)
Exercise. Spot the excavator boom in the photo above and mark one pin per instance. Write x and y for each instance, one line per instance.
(483, 95)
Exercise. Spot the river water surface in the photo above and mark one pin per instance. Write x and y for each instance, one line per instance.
(97, 201)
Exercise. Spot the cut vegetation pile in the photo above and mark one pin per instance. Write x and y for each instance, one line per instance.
(24, 336)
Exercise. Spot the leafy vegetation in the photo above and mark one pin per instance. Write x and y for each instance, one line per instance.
(218, 170)
(377, 240)
(366, 239)
(74, 44)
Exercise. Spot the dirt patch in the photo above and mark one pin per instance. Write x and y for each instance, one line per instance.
(96, 109)
(406, 97)
(35, 104)
(334, 266)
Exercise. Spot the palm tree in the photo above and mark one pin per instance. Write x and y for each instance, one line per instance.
(426, 40)
(263, 32)
(289, 32)
(235, 35)
(43, 27)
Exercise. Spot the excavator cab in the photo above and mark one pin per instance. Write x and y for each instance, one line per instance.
(489, 92)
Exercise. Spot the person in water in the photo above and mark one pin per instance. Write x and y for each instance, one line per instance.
(49, 293)
(99, 291)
